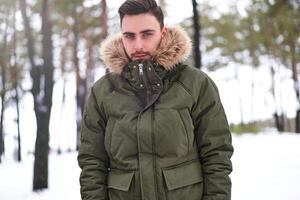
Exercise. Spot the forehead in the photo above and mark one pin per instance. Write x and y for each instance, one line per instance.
(140, 22)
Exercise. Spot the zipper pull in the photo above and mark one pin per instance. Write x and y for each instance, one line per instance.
(141, 69)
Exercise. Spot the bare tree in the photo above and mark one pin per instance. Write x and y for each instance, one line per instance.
(278, 115)
(296, 82)
(42, 89)
(103, 19)
(197, 27)
(15, 79)
(3, 64)
(40, 179)
(80, 80)
(83, 80)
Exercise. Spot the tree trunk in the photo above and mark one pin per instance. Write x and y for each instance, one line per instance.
(104, 24)
(89, 64)
(296, 83)
(2, 147)
(3, 63)
(40, 180)
(18, 123)
(28, 33)
(80, 82)
(252, 94)
(15, 78)
(236, 76)
(78, 78)
(197, 27)
(42, 90)
(3, 93)
(103, 20)
(40, 177)
(63, 71)
(278, 118)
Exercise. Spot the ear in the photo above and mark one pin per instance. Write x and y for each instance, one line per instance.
(164, 32)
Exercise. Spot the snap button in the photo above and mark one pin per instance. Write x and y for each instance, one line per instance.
(141, 85)
(158, 84)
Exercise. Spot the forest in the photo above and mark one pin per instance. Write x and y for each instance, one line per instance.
(46, 44)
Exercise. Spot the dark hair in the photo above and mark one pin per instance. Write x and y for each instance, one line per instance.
(135, 7)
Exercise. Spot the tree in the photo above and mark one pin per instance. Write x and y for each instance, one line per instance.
(222, 39)
(3, 65)
(15, 76)
(270, 28)
(42, 89)
(279, 26)
(86, 26)
(197, 36)
(10, 72)
(287, 15)
(103, 19)
(40, 180)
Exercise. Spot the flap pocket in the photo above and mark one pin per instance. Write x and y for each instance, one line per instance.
(183, 175)
(119, 180)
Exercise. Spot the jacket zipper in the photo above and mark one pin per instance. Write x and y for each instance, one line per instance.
(141, 70)
(153, 148)
(145, 80)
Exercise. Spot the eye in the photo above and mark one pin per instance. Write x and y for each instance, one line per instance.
(147, 34)
(129, 36)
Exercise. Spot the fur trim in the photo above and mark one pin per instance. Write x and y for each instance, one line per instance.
(175, 47)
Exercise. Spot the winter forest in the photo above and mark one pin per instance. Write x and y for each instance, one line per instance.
(49, 59)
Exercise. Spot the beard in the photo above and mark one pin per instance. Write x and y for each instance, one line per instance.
(141, 55)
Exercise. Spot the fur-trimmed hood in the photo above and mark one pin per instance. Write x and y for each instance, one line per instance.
(174, 48)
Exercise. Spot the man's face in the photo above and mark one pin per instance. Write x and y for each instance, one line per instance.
(141, 35)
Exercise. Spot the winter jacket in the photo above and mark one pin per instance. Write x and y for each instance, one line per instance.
(154, 130)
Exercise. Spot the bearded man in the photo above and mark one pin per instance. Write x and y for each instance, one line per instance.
(153, 128)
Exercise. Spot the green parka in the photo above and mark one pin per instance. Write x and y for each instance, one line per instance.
(154, 130)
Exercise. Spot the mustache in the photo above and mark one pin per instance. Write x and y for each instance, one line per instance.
(139, 53)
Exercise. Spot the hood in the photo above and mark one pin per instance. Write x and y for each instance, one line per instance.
(174, 48)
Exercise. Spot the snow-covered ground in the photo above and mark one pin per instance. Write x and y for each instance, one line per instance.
(266, 167)
(16, 179)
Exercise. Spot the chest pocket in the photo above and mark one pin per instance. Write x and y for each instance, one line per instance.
(188, 125)
(108, 134)
(173, 131)
(120, 138)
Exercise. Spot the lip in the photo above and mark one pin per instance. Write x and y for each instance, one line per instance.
(140, 56)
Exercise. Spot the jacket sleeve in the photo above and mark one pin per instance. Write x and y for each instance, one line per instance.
(92, 157)
(214, 142)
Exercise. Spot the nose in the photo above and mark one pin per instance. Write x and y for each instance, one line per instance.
(138, 44)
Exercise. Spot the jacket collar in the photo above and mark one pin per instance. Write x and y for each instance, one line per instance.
(173, 49)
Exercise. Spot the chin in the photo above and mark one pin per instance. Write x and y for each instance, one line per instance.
(141, 58)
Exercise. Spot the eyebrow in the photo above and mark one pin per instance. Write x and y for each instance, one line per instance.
(143, 31)
(147, 31)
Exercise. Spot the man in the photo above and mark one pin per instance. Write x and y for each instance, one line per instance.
(154, 128)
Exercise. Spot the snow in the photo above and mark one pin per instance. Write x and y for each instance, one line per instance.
(242, 103)
(16, 179)
(266, 166)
